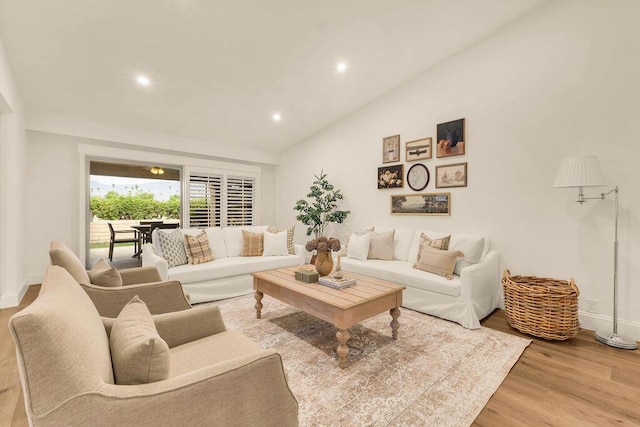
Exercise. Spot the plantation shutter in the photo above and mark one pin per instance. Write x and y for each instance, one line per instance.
(240, 200)
(205, 200)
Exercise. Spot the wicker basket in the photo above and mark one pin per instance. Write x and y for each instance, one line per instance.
(545, 308)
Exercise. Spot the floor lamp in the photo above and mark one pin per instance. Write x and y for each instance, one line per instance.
(585, 171)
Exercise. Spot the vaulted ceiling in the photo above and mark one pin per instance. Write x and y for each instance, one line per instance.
(219, 70)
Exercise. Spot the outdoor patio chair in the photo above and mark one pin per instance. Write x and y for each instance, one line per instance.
(113, 240)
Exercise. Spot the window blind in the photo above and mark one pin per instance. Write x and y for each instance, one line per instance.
(240, 198)
(205, 200)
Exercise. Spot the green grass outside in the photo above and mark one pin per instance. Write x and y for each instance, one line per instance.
(106, 245)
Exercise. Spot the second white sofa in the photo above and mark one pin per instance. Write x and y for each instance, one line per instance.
(229, 274)
(471, 294)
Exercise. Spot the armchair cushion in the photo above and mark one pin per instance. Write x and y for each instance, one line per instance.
(64, 257)
(102, 274)
(138, 354)
(136, 275)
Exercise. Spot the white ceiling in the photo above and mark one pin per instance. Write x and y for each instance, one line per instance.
(219, 69)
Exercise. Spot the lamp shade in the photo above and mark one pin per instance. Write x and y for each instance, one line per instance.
(579, 171)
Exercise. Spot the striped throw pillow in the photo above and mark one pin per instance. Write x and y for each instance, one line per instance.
(442, 244)
(252, 243)
(290, 248)
(198, 249)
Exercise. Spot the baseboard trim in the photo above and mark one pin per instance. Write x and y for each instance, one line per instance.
(12, 299)
(598, 322)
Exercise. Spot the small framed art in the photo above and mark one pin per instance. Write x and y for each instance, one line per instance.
(419, 149)
(451, 139)
(418, 177)
(391, 149)
(421, 204)
(454, 175)
(391, 176)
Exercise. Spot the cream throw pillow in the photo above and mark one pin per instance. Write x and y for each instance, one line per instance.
(381, 245)
(197, 248)
(275, 244)
(252, 243)
(138, 354)
(290, 247)
(102, 274)
(437, 261)
(358, 246)
(441, 243)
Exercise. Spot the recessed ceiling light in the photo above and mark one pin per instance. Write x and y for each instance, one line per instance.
(143, 80)
(276, 117)
(341, 67)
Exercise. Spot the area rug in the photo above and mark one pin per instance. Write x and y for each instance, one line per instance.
(436, 374)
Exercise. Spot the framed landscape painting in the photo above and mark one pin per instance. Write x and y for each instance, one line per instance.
(451, 139)
(421, 204)
(391, 176)
(391, 149)
(419, 149)
(454, 175)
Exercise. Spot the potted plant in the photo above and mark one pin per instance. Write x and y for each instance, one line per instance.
(323, 207)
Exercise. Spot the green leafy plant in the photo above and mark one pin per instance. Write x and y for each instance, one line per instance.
(322, 209)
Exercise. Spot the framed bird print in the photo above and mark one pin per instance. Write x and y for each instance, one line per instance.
(419, 149)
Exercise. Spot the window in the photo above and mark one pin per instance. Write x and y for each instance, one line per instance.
(218, 199)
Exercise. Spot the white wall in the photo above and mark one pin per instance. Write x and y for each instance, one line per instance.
(54, 175)
(12, 160)
(562, 81)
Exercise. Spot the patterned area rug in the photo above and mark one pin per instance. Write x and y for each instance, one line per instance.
(436, 374)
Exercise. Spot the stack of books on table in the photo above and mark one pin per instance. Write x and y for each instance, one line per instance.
(331, 282)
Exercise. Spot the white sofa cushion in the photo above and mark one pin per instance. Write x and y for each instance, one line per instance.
(230, 267)
(275, 244)
(471, 245)
(402, 272)
(216, 242)
(233, 237)
(358, 246)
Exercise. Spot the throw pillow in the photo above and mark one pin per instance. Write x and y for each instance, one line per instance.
(358, 246)
(381, 245)
(102, 274)
(442, 244)
(275, 244)
(472, 247)
(252, 243)
(290, 248)
(358, 232)
(172, 244)
(198, 249)
(138, 354)
(437, 261)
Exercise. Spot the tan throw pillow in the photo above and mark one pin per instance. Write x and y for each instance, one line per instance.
(102, 274)
(437, 261)
(252, 243)
(198, 249)
(381, 245)
(290, 248)
(138, 354)
(441, 243)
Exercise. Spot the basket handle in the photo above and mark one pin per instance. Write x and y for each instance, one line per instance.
(506, 274)
(572, 284)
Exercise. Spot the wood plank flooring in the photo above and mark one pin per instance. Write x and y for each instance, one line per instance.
(578, 382)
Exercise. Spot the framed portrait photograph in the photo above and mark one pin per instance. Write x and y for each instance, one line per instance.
(418, 177)
(450, 139)
(391, 149)
(421, 204)
(453, 175)
(419, 149)
(391, 176)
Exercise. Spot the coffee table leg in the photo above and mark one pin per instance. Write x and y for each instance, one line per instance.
(395, 313)
(258, 296)
(342, 350)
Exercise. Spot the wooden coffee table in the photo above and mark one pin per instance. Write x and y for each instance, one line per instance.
(342, 309)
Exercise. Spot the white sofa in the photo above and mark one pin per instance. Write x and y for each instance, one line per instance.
(465, 299)
(229, 274)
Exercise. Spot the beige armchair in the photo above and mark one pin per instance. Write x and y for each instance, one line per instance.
(216, 377)
(160, 297)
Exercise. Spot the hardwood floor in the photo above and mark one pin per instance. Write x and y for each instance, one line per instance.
(578, 382)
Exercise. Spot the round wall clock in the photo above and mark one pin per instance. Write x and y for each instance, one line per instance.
(418, 177)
